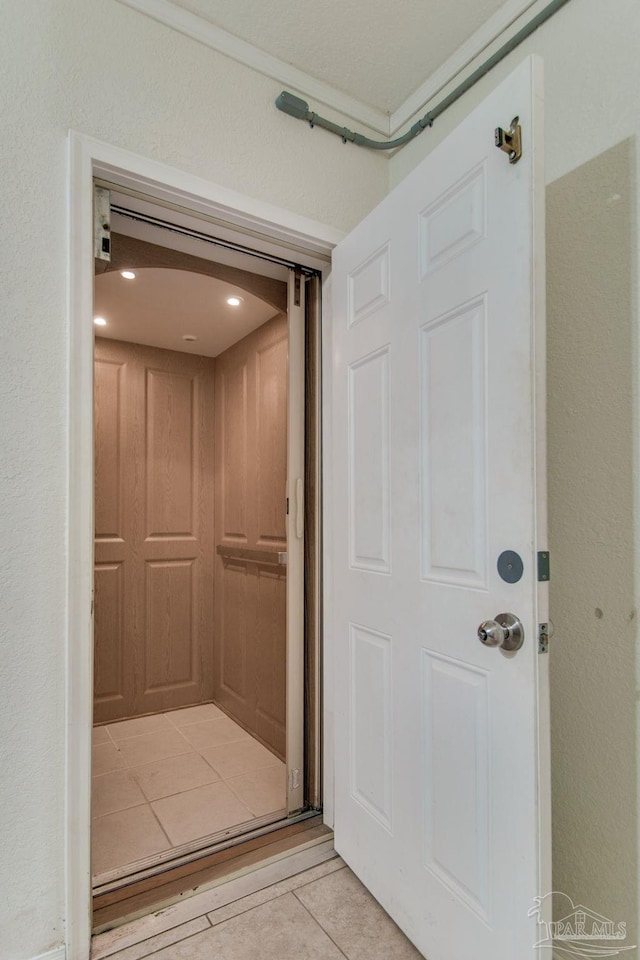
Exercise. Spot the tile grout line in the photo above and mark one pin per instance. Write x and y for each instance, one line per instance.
(315, 920)
(250, 773)
(189, 723)
(171, 726)
(193, 789)
(120, 810)
(309, 882)
(276, 896)
(178, 793)
(171, 844)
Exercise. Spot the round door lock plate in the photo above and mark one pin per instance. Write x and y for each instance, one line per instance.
(510, 566)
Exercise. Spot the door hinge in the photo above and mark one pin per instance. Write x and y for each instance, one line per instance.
(297, 282)
(544, 566)
(510, 140)
(545, 632)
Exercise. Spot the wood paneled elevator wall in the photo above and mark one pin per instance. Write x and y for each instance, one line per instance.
(191, 453)
(251, 475)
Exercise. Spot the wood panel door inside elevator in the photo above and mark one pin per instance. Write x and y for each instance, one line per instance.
(251, 537)
(154, 529)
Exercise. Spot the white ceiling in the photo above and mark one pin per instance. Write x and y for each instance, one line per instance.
(379, 52)
(160, 306)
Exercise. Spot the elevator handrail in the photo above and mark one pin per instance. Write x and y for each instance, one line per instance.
(276, 558)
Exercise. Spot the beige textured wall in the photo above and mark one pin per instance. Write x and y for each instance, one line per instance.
(593, 433)
(592, 121)
(106, 70)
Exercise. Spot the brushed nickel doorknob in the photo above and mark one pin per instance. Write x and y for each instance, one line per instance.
(506, 631)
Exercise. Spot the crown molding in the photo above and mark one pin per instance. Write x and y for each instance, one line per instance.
(202, 30)
(191, 25)
(490, 30)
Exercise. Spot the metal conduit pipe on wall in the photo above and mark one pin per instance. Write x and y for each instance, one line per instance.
(299, 108)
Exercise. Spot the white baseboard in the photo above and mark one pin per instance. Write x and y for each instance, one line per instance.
(60, 953)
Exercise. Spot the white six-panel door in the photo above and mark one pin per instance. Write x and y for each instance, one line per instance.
(440, 741)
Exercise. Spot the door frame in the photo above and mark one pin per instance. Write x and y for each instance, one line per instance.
(272, 229)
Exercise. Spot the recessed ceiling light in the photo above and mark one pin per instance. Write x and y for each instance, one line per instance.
(100, 321)
(128, 274)
(189, 337)
(234, 301)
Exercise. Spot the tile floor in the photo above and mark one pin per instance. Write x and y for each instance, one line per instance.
(162, 781)
(323, 913)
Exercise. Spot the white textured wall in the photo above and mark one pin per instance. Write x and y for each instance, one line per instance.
(105, 70)
(592, 78)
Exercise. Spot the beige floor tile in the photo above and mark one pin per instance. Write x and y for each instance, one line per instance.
(354, 919)
(114, 791)
(280, 930)
(174, 775)
(154, 746)
(138, 726)
(210, 733)
(106, 757)
(200, 812)
(274, 890)
(125, 837)
(236, 759)
(100, 735)
(203, 711)
(264, 790)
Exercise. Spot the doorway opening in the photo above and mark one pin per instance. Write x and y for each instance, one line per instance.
(290, 238)
(206, 599)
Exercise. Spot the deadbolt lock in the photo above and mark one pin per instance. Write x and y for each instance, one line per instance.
(510, 140)
(506, 631)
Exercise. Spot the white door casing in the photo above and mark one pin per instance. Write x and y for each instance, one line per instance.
(441, 743)
(269, 227)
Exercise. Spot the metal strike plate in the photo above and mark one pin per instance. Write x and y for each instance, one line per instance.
(545, 632)
(510, 140)
(544, 566)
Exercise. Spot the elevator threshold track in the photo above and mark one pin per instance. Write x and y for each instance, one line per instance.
(142, 896)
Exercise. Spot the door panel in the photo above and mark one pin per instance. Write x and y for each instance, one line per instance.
(172, 476)
(251, 471)
(110, 685)
(154, 438)
(109, 442)
(270, 683)
(233, 628)
(232, 404)
(441, 782)
(170, 593)
(271, 441)
(113, 607)
(453, 456)
(369, 505)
